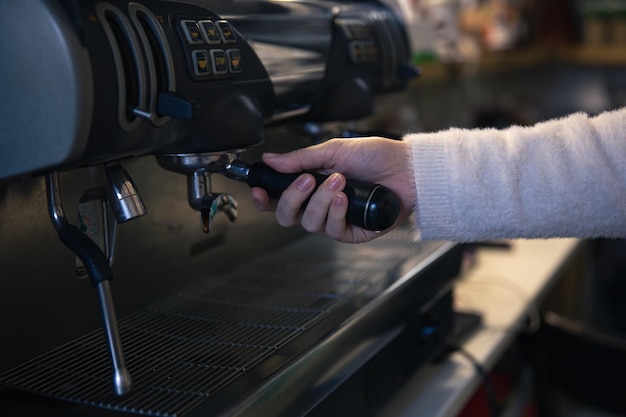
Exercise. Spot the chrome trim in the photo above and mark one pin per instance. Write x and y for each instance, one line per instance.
(153, 22)
(290, 113)
(333, 360)
(122, 383)
(124, 198)
(133, 43)
(55, 207)
(380, 23)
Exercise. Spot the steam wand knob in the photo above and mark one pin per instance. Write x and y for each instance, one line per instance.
(123, 194)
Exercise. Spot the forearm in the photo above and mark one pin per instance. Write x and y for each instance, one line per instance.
(560, 178)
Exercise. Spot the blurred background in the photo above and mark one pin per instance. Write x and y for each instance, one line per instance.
(492, 62)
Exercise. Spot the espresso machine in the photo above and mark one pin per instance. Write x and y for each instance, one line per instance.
(122, 123)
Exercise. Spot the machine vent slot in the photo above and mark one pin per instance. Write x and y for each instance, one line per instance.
(158, 54)
(130, 71)
(130, 68)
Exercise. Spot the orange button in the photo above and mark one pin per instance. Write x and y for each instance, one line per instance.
(200, 59)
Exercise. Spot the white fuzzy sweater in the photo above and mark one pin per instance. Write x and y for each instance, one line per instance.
(561, 178)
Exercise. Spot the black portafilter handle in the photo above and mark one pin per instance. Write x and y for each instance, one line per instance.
(370, 206)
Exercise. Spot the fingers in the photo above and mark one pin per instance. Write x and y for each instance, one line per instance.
(289, 206)
(262, 200)
(316, 212)
(336, 227)
(324, 209)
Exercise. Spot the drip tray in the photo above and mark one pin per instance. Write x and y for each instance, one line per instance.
(190, 347)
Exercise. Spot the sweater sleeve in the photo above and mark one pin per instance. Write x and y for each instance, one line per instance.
(560, 178)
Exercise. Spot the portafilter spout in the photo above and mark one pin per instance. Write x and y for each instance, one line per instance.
(100, 274)
(198, 168)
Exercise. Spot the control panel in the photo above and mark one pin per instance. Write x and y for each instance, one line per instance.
(210, 47)
(125, 79)
(370, 56)
(206, 89)
(362, 46)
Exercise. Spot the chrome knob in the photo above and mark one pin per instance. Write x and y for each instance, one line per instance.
(124, 197)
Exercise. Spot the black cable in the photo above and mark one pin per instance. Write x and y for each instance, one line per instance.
(492, 403)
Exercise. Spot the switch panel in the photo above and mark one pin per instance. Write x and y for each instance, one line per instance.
(125, 79)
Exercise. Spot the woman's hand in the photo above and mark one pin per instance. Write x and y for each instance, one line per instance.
(373, 159)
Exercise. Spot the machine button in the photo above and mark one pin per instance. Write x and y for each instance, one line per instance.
(210, 32)
(201, 65)
(234, 60)
(218, 59)
(192, 32)
(356, 51)
(228, 35)
(370, 51)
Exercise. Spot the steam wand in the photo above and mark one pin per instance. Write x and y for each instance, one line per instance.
(100, 274)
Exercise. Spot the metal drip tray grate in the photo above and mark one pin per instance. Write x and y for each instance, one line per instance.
(186, 348)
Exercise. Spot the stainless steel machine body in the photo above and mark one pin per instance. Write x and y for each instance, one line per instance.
(98, 97)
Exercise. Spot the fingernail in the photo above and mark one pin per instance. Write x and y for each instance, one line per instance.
(336, 182)
(304, 183)
(270, 155)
